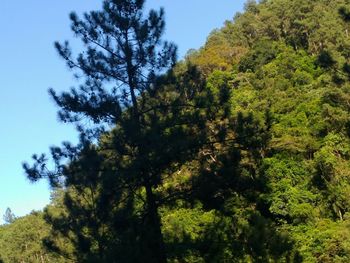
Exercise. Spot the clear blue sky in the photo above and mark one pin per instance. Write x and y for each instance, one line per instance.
(29, 65)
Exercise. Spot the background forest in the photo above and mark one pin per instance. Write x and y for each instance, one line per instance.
(238, 153)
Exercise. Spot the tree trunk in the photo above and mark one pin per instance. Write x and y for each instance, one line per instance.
(154, 239)
(153, 227)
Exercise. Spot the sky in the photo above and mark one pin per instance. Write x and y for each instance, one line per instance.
(29, 66)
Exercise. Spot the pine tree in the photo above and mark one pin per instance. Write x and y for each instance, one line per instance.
(156, 125)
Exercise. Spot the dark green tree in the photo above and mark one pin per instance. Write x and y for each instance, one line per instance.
(157, 120)
(123, 55)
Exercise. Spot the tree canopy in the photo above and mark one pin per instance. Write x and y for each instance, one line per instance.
(238, 153)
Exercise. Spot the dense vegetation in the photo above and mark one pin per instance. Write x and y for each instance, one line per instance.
(238, 153)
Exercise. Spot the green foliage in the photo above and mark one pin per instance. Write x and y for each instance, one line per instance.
(289, 106)
(261, 54)
(184, 230)
(21, 241)
(240, 153)
(290, 198)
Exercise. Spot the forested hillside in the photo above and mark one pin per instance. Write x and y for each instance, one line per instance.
(238, 153)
